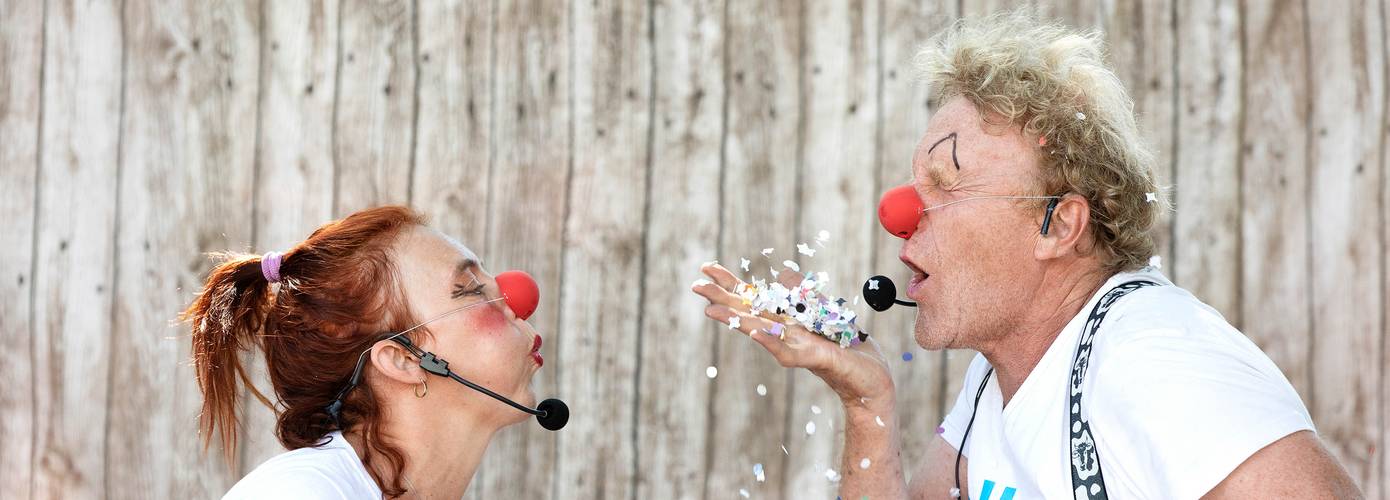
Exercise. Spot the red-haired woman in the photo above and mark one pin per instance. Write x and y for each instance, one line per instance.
(357, 324)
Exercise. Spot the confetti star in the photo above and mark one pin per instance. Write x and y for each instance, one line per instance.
(734, 323)
(1156, 262)
(766, 252)
(873, 285)
(1150, 197)
(744, 264)
(831, 475)
(805, 249)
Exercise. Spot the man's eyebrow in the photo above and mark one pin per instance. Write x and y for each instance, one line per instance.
(462, 267)
(952, 137)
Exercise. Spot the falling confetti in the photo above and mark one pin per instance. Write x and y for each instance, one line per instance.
(758, 473)
(810, 428)
(823, 235)
(784, 450)
(864, 464)
(815, 409)
(1156, 262)
(805, 249)
(766, 252)
(762, 390)
(1080, 115)
(1150, 197)
(832, 475)
(878, 420)
(743, 492)
(940, 430)
(790, 265)
(743, 263)
(907, 356)
(734, 323)
(711, 372)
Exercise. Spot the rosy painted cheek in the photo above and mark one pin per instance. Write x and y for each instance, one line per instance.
(492, 321)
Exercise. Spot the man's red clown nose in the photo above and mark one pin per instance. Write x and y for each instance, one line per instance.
(521, 292)
(899, 210)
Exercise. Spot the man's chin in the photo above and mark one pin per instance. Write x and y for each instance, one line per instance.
(930, 336)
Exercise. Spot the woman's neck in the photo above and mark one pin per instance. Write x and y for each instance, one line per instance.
(439, 460)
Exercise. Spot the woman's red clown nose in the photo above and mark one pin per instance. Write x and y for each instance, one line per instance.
(899, 210)
(521, 292)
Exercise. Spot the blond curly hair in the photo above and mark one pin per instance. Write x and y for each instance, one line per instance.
(1052, 81)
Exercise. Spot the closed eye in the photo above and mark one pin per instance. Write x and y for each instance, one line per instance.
(461, 291)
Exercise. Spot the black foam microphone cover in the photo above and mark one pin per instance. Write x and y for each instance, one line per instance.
(880, 293)
(556, 415)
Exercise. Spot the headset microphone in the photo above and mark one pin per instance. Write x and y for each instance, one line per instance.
(552, 413)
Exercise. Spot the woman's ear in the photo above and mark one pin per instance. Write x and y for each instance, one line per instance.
(396, 363)
(1067, 233)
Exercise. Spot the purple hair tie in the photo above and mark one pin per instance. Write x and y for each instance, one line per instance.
(270, 266)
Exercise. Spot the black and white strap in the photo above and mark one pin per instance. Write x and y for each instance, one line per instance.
(1086, 479)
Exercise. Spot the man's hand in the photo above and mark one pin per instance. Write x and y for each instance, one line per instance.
(858, 373)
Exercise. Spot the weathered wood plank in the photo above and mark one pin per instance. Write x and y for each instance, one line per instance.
(682, 232)
(75, 227)
(453, 145)
(1346, 144)
(374, 109)
(1275, 302)
(603, 247)
(21, 72)
(904, 112)
(294, 180)
(761, 156)
(840, 124)
(187, 163)
(1206, 225)
(532, 109)
(986, 7)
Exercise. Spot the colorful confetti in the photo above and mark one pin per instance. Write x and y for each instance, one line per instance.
(758, 473)
(907, 356)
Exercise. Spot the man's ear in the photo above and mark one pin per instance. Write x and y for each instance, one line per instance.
(1068, 232)
(396, 363)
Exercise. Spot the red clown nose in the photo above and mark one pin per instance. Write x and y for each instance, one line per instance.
(521, 292)
(899, 210)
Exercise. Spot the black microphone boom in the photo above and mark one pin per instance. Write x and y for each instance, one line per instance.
(552, 413)
(881, 294)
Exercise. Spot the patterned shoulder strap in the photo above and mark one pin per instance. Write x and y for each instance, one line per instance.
(1086, 479)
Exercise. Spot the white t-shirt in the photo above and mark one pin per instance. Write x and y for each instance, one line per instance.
(1176, 399)
(329, 472)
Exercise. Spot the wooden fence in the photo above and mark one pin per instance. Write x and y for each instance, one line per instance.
(609, 147)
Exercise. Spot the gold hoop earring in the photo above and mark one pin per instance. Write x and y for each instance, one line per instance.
(425, 385)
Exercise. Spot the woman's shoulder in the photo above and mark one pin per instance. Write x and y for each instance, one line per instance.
(328, 471)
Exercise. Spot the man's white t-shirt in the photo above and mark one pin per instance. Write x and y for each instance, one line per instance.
(328, 472)
(1176, 398)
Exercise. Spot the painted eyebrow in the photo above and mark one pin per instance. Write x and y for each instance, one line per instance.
(952, 137)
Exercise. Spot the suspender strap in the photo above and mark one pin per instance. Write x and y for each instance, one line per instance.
(1086, 479)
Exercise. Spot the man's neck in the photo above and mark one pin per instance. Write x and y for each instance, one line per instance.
(1057, 300)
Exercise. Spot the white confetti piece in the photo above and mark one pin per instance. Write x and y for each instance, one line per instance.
(734, 323)
(766, 252)
(758, 473)
(815, 409)
(955, 492)
(743, 263)
(1150, 197)
(856, 300)
(784, 450)
(1080, 115)
(810, 428)
(791, 265)
(879, 420)
(711, 372)
(1156, 262)
(823, 235)
(831, 475)
(864, 464)
(762, 390)
(805, 249)
(743, 493)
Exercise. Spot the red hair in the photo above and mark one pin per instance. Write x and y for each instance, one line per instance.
(338, 291)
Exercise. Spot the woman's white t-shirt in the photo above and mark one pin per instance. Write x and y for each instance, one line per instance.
(1176, 398)
(330, 471)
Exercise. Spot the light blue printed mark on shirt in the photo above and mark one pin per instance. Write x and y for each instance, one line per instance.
(988, 488)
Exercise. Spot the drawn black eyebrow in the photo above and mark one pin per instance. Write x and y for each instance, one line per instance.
(952, 137)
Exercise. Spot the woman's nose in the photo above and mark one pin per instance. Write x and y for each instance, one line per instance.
(899, 210)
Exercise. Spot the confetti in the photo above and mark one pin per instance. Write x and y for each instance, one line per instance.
(805, 249)
(1150, 197)
(758, 473)
(734, 323)
(1080, 115)
(815, 409)
(1042, 140)
(940, 430)
(743, 492)
(810, 428)
(762, 390)
(766, 252)
(805, 303)
(955, 492)
(791, 265)
(823, 235)
(864, 464)
(1156, 262)
(784, 450)
(711, 372)
(833, 476)
(907, 356)
(878, 420)
(743, 263)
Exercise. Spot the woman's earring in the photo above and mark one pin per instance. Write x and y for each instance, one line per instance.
(418, 392)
